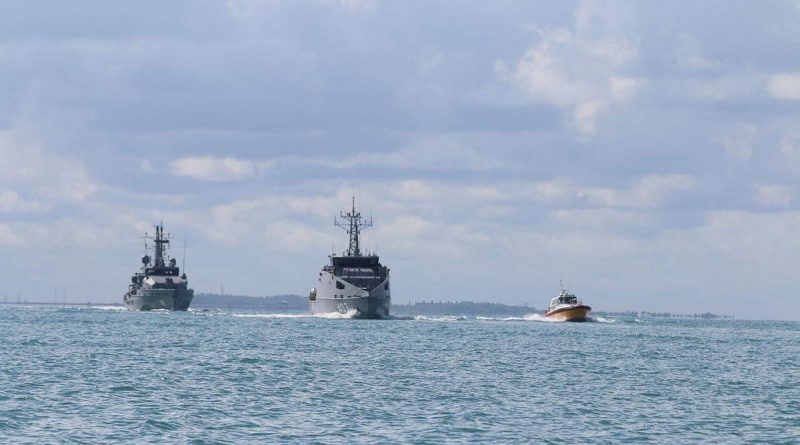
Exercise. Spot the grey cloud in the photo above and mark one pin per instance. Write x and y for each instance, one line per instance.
(312, 101)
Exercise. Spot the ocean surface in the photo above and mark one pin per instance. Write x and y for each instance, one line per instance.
(105, 375)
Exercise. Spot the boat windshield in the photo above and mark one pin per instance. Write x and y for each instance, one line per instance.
(564, 298)
(568, 299)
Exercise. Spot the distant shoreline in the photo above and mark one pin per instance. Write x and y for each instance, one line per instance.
(296, 303)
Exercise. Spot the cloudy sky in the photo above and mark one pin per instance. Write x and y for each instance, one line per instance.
(648, 153)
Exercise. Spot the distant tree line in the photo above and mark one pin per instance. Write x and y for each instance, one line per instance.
(275, 302)
(465, 308)
(647, 314)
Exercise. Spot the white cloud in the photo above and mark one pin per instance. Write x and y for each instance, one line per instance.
(738, 142)
(358, 5)
(738, 86)
(106, 231)
(432, 153)
(405, 226)
(9, 236)
(208, 168)
(647, 192)
(600, 219)
(784, 86)
(12, 202)
(696, 62)
(582, 75)
(689, 54)
(273, 218)
(585, 115)
(48, 179)
(146, 166)
(790, 147)
(773, 195)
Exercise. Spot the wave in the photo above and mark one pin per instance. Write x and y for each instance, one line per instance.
(440, 318)
(542, 318)
(271, 315)
(108, 308)
(398, 317)
(528, 317)
(330, 315)
(535, 317)
(352, 313)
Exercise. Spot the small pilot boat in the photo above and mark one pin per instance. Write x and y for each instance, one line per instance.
(565, 306)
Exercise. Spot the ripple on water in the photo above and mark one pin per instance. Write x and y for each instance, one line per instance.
(101, 375)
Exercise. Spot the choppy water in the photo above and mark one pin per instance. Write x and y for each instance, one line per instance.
(94, 375)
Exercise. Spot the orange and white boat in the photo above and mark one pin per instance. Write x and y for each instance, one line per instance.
(566, 306)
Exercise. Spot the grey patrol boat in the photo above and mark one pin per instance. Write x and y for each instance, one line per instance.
(352, 283)
(159, 285)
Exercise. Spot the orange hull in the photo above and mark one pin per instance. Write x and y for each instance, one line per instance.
(577, 313)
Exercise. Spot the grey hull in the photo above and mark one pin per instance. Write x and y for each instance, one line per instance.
(150, 299)
(362, 307)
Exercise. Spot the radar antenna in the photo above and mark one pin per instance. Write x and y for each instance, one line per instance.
(160, 241)
(353, 224)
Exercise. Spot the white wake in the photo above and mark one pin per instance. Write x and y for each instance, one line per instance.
(440, 318)
(337, 315)
(528, 317)
(108, 308)
(602, 320)
(271, 315)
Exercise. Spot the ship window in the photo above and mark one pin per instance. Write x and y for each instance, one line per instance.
(358, 272)
(339, 285)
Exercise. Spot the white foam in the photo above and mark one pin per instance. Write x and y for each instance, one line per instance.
(109, 308)
(440, 318)
(271, 315)
(398, 317)
(528, 317)
(601, 320)
(540, 317)
(335, 315)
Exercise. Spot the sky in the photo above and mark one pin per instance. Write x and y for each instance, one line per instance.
(645, 152)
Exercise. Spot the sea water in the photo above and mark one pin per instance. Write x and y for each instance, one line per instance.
(102, 375)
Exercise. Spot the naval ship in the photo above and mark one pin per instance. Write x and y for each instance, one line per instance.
(352, 282)
(159, 285)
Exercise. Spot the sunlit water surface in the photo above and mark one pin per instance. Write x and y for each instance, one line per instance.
(103, 375)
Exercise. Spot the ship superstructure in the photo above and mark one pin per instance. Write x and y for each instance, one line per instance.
(353, 283)
(159, 284)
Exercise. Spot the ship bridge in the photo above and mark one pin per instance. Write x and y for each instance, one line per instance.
(365, 272)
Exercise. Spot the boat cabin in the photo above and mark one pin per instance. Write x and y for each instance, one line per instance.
(564, 298)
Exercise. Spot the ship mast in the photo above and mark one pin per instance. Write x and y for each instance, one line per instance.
(160, 242)
(353, 224)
